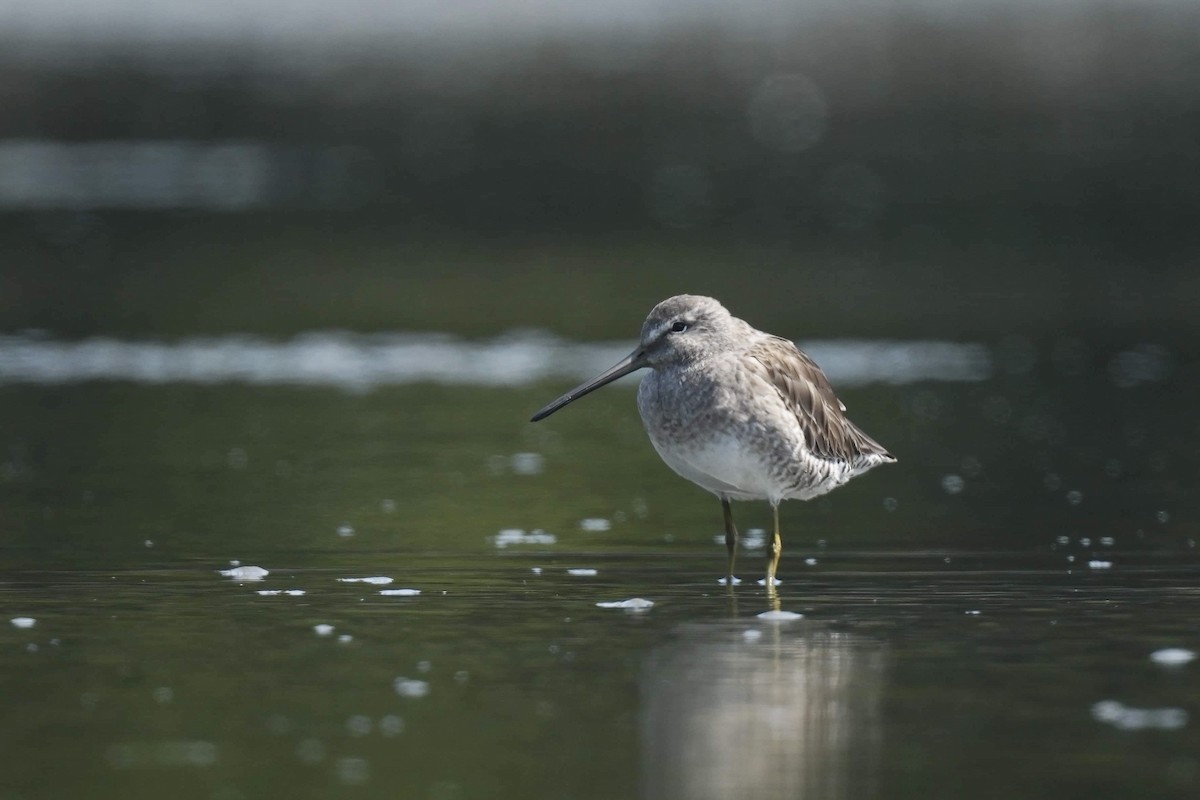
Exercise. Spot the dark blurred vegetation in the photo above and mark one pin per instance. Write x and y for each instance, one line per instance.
(889, 171)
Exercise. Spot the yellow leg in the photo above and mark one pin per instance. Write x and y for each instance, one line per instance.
(774, 549)
(731, 537)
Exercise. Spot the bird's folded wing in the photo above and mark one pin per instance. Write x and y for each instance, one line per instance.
(806, 392)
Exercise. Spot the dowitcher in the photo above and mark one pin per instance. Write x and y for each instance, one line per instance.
(741, 413)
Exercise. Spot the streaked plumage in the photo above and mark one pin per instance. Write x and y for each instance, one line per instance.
(741, 413)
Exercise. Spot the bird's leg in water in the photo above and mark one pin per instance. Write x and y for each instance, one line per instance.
(731, 538)
(774, 549)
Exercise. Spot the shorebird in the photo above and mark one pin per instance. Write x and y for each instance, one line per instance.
(741, 413)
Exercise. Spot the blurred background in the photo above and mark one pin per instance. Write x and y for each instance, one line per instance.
(281, 282)
(921, 168)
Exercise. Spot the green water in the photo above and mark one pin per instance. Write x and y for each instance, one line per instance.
(148, 673)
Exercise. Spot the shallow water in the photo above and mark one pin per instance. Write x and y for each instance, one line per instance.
(978, 620)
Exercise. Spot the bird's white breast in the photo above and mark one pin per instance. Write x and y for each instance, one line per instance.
(723, 465)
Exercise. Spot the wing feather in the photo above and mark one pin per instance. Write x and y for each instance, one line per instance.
(807, 393)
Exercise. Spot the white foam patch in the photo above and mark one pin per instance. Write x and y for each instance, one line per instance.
(1128, 718)
(780, 616)
(23, 622)
(399, 592)
(582, 572)
(274, 592)
(322, 629)
(1098, 564)
(361, 361)
(410, 687)
(511, 536)
(595, 524)
(376, 581)
(247, 573)
(1172, 656)
(633, 603)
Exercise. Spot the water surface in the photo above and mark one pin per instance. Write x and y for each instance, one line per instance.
(989, 606)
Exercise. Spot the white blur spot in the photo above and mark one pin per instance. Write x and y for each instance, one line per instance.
(23, 622)
(1146, 363)
(1162, 516)
(345, 638)
(890, 504)
(163, 695)
(752, 634)
(536, 570)
(352, 771)
(1063, 540)
(391, 725)
(633, 604)
(245, 573)
(780, 616)
(973, 613)
(178, 753)
(952, 484)
(273, 592)
(1074, 497)
(1126, 718)
(323, 629)
(1107, 541)
(376, 581)
(387, 506)
(812, 562)
(310, 751)
(148, 543)
(1098, 564)
(410, 687)
(399, 592)
(511, 536)
(359, 725)
(582, 572)
(1085, 541)
(1172, 656)
(527, 463)
(345, 531)
(596, 524)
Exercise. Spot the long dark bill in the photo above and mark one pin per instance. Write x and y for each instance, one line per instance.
(631, 363)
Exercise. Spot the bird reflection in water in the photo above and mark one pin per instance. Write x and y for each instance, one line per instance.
(762, 711)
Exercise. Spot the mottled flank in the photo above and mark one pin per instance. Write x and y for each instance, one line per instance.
(741, 413)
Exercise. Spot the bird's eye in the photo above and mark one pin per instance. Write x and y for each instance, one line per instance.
(679, 327)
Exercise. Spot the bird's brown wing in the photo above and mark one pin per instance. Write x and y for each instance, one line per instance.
(807, 393)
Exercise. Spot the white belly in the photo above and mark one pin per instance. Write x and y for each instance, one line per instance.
(724, 467)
